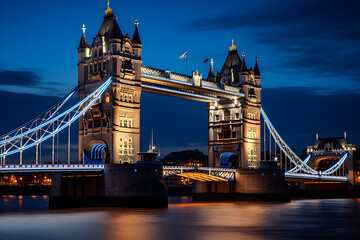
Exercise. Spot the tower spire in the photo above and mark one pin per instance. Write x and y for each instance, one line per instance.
(233, 47)
(108, 11)
(83, 42)
(136, 36)
(256, 68)
(83, 28)
(211, 76)
(243, 64)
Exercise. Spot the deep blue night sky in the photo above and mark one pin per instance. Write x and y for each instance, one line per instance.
(308, 50)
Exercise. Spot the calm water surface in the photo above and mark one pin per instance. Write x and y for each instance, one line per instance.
(28, 218)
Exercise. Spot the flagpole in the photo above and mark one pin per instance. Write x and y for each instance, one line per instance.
(186, 65)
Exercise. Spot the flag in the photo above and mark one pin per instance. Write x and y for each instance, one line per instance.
(183, 55)
(206, 60)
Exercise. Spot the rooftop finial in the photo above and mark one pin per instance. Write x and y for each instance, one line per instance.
(243, 55)
(233, 47)
(256, 59)
(83, 28)
(108, 11)
(212, 62)
(136, 23)
(345, 134)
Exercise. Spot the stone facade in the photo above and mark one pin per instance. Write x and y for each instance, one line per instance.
(115, 120)
(234, 124)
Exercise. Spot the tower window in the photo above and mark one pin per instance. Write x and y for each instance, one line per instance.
(226, 114)
(217, 117)
(237, 115)
(251, 134)
(233, 134)
(107, 97)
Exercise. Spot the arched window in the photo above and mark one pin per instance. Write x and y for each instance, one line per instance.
(226, 114)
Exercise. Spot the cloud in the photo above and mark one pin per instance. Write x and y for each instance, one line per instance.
(19, 78)
(317, 37)
(28, 81)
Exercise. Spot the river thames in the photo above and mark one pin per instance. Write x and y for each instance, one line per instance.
(29, 218)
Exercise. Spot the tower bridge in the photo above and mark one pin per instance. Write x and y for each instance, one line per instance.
(111, 77)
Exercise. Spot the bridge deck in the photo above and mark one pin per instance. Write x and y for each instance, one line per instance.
(202, 177)
(16, 168)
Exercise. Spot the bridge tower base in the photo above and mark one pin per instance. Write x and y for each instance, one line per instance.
(126, 185)
(249, 184)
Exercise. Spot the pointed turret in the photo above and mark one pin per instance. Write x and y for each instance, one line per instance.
(211, 76)
(256, 68)
(243, 64)
(232, 66)
(109, 28)
(136, 37)
(83, 42)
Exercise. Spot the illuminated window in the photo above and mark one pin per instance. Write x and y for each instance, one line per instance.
(251, 154)
(125, 147)
(251, 115)
(251, 134)
(107, 97)
(126, 122)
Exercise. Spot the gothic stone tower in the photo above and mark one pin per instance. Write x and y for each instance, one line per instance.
(110, 131)
(234, 124)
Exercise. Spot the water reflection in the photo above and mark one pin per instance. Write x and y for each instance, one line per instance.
(183, 219)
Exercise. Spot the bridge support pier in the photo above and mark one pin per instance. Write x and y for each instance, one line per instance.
(249, 184)
(125, 185)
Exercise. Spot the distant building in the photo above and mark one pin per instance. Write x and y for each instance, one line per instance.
(186, 158)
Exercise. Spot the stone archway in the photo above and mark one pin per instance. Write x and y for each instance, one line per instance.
(229, 160)
(97, 152)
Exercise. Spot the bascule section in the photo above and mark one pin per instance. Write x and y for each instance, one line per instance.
(234, 124)
(110, 131)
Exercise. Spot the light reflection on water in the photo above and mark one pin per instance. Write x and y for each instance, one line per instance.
(29, 218)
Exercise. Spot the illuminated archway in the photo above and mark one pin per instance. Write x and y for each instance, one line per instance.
(228, 160)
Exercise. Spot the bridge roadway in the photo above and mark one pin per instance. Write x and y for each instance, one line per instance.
(204, 174)
(189, 87)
